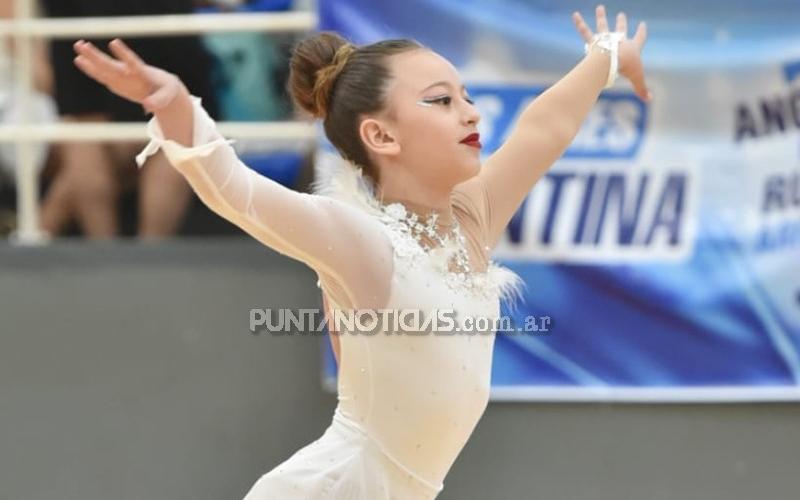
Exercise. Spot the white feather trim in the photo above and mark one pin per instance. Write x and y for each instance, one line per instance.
(344, 181)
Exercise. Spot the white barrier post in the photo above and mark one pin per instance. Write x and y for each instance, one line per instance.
(27, 182)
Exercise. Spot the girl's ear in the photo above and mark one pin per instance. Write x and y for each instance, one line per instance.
(377, 138)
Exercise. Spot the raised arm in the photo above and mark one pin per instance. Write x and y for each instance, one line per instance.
(338, 241)
(549, 124)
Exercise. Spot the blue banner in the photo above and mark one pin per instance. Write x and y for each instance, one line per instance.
(664, 246)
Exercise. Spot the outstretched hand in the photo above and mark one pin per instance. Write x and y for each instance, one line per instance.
(630, 49)
(127, 75)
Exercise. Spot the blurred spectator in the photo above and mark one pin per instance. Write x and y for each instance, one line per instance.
(41, 109)
(92, 175)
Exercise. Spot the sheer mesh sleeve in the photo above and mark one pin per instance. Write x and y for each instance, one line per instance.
(474, 225)
(470, 199)
(345, 246)
(475, 197)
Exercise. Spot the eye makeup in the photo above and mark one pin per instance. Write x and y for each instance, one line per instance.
(445, 99)
(430, 101)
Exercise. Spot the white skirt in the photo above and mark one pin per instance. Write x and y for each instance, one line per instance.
(343, 464)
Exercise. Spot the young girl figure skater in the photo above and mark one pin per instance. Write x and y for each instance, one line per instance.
(407, 222)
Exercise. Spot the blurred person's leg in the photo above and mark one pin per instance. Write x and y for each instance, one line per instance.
(85, 188)
(57, 209)
(164, 198)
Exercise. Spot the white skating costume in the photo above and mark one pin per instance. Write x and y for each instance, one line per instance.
(407, 403)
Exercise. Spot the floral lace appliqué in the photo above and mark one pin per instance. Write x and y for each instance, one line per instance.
(449, 259)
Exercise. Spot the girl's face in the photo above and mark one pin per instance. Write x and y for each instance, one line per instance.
(429, 113)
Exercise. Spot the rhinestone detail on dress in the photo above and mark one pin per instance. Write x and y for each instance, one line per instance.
(449, 255)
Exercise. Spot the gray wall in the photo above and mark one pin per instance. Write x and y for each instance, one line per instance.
(127, 371)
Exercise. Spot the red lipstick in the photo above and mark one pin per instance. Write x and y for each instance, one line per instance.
(473, 140)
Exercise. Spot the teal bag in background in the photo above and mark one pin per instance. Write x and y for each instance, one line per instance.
(245, 76)
(247, 81)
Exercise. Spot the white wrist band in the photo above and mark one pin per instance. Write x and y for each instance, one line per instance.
(608, 42)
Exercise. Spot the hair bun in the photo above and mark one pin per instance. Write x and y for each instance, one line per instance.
(315, 64)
